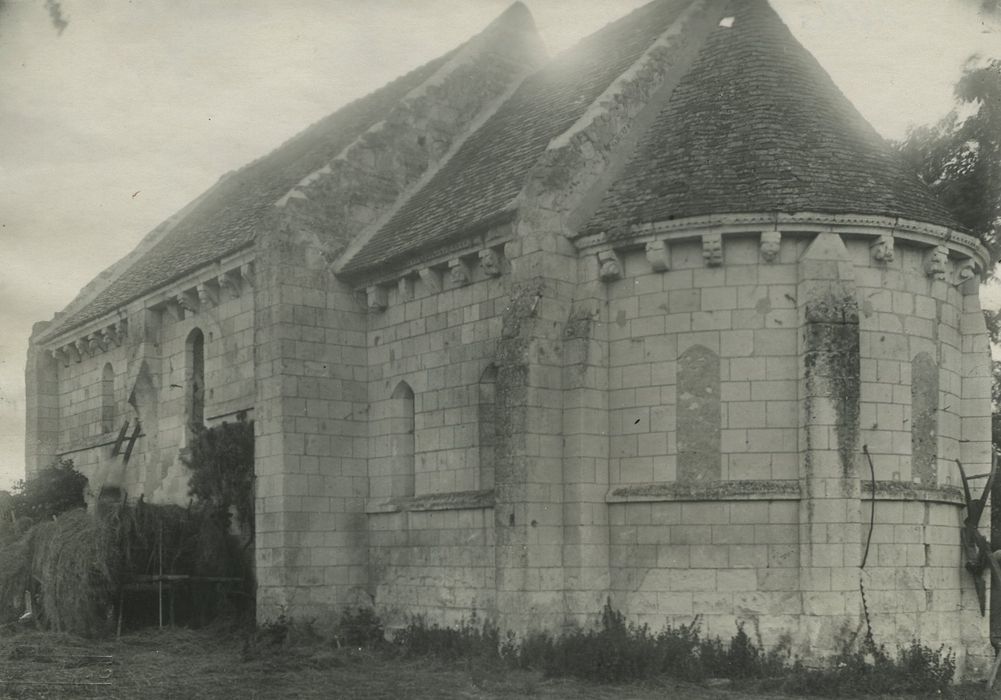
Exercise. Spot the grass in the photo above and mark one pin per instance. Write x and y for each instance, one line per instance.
(227, 663)
(212, 664)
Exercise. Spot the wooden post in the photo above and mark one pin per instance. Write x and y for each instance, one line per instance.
(159, 580)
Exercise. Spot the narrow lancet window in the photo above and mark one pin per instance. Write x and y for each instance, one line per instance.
(402, 425)
(195, 379)
(108, 399)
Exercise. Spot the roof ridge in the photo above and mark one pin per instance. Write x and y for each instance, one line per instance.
(485, 176)
(205, 208)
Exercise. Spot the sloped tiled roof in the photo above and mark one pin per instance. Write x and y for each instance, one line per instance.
(225, 219)
(479, 183)
(758, 126)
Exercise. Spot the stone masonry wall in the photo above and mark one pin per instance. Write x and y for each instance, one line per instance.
(440, 344)
(904, 314)
(310, 429)
(87, 431)
(745, 313)
(724, 536)
(726, 561)
(431, 536)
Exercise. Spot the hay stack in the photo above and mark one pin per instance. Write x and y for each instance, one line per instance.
(15, 569)
(77, 562)
(74, 559)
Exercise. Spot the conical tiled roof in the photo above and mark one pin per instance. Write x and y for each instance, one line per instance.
(757, 125)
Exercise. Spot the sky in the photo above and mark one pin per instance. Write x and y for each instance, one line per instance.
(137, 106)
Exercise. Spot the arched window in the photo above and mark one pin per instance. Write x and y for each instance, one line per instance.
(195, 378)
(401, 428)
(108, 399)
(486, 417)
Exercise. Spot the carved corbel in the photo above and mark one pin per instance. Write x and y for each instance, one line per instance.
(936, 262)
(71, 353)
(376, 299)
(609, 266)
(61, 356)
(712, 249)
(405, 288)
(187, 301)
(771, 244)
(966, 271)
(229, 283)
(95, 343)
(111, 337)
(458, 272)
(490, 262)
(174, 311)
(247, 273)
(81, 349)
(207, 295)
(122, 330)
(656, 255)
(431, 279)
(882, 248)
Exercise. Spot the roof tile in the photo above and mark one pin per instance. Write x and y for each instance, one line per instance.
(758, 126)
(480, 182)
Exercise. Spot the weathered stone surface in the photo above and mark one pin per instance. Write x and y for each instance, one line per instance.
(698, 415)
(924, 419)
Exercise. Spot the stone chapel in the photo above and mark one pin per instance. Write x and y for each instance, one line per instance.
(521, 334)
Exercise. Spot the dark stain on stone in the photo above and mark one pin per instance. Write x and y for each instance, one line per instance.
(832, 363)
(763, 306)
(620, 318)
(581, 321)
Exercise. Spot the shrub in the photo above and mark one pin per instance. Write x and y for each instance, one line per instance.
(618, 651)
(222, 468)
(359, 628)
(871, 670)
(55, 489)
(471, 639)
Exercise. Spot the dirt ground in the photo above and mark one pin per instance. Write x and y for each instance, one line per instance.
(179, 664)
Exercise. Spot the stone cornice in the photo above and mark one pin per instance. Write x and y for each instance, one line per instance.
(202, 289)
(850, 225)
(455, 500)
(747, 490)
(902, 491)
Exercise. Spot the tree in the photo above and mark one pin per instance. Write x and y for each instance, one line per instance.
(959, 158)
(221, 460)
(55, 489)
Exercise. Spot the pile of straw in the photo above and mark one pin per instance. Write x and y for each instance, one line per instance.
(76, 564)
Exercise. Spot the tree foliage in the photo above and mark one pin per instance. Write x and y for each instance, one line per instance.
(54, 490)
(222, 468)
(959, 158)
